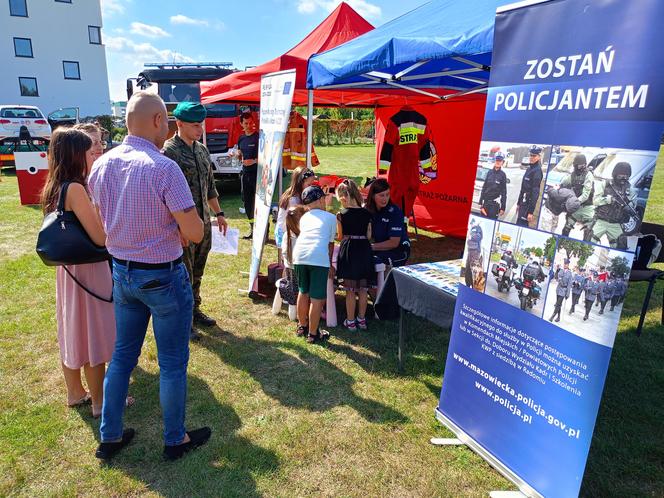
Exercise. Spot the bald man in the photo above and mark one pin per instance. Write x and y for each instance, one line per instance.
(148, 214)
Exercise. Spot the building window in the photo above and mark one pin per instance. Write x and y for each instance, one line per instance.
(94, 34)
(23, 47)
(71, 70)
(28, 87)
(18, 8)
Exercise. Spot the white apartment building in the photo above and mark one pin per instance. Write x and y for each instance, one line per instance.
(52, 55)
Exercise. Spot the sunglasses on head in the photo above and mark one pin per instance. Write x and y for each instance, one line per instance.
(308, 174)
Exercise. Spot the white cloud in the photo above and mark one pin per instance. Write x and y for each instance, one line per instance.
(182, 19)
(110, 7)
(146, 51)
(138, 28)
(363, 7)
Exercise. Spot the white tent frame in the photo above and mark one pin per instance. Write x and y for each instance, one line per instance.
(400, 80)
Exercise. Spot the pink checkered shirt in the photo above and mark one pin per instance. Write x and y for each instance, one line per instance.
(137, 188)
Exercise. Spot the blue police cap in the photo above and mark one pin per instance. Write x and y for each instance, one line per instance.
(535, 149)
(499, 156)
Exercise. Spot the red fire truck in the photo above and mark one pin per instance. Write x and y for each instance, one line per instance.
(180, 82)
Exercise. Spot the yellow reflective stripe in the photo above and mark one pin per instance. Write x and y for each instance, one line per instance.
(411, 129)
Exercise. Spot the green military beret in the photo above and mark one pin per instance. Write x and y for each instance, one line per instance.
(190, 112)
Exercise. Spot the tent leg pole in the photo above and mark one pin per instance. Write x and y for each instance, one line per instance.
(310, 125)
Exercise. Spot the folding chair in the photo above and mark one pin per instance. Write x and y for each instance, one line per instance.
(640, 271)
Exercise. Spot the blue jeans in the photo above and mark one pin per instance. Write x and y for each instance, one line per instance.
(168, 299)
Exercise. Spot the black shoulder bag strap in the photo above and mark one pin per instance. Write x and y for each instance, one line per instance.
(61, 209)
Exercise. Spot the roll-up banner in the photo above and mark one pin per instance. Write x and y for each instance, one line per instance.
(276, 99)
(574, 119)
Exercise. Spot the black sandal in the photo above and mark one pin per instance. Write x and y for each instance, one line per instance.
(302, 330)
(319, 336)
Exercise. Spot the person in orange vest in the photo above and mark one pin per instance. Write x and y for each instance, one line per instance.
(295, 144)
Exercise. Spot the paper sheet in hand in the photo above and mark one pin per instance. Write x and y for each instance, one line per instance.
(225, 244)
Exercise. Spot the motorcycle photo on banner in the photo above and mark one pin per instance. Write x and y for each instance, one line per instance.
(572, 130)
(276, 98)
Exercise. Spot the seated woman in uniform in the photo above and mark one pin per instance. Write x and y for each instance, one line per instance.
(391, 245)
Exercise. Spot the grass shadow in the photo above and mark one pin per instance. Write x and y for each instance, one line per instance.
(627, 453)
(226, 465)
(297, 377)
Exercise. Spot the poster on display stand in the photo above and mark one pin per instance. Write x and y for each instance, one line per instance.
(576, 109)
(276, 99)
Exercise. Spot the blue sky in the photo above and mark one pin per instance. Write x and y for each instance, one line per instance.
(245, 32)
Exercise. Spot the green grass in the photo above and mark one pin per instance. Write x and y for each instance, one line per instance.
(288, 419)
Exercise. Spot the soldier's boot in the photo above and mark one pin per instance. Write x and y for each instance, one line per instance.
(571, 311)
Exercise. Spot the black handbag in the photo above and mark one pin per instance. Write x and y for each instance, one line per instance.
(62, 240)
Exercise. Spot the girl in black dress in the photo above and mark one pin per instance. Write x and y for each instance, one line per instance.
(355, 265)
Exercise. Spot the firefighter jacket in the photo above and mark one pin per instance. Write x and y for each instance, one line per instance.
(408, 155)
(295, 144)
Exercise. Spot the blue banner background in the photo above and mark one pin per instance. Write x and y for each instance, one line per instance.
(538, 453)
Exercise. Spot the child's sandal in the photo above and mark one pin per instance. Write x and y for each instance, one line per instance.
(302, 330)
(350, 324)
(319, 336)
(362, 323)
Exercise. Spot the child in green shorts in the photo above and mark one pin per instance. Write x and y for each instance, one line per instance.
(312, 259)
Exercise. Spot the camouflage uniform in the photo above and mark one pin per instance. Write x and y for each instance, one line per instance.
(582, 184)
(610, 213)
(197, 168)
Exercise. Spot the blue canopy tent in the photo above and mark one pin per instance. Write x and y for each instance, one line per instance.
(436, 53)
(442, 45)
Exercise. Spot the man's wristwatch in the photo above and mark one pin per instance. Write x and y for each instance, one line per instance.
(220, 213)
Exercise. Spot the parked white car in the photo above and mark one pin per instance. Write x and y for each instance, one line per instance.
(13, 117)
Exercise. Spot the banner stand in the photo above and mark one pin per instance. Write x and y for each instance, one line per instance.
(445, 441)
(524, 488)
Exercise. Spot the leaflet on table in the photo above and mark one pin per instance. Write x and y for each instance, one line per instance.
(574, 118)
(443, 275)
(276, 98)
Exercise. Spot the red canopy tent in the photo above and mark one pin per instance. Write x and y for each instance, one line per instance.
(341, 25)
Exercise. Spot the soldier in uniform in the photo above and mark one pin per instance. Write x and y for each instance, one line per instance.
(530, 187)
(194, 160)
(606, 293)
(581, 182)
(474, 248)
(618, 292)
(495, 186)
(563, 288)
(591, 289)
(614, 200)
(578, 284)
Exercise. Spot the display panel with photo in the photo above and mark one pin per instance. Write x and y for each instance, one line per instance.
(597, 194)
(520, 266)
(476, 252)
(509, 181)
(587, 290)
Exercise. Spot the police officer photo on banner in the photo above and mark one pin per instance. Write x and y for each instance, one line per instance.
(508, 184)
(597, 194)
(519, 267)
(587, 289)
(476, 252)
